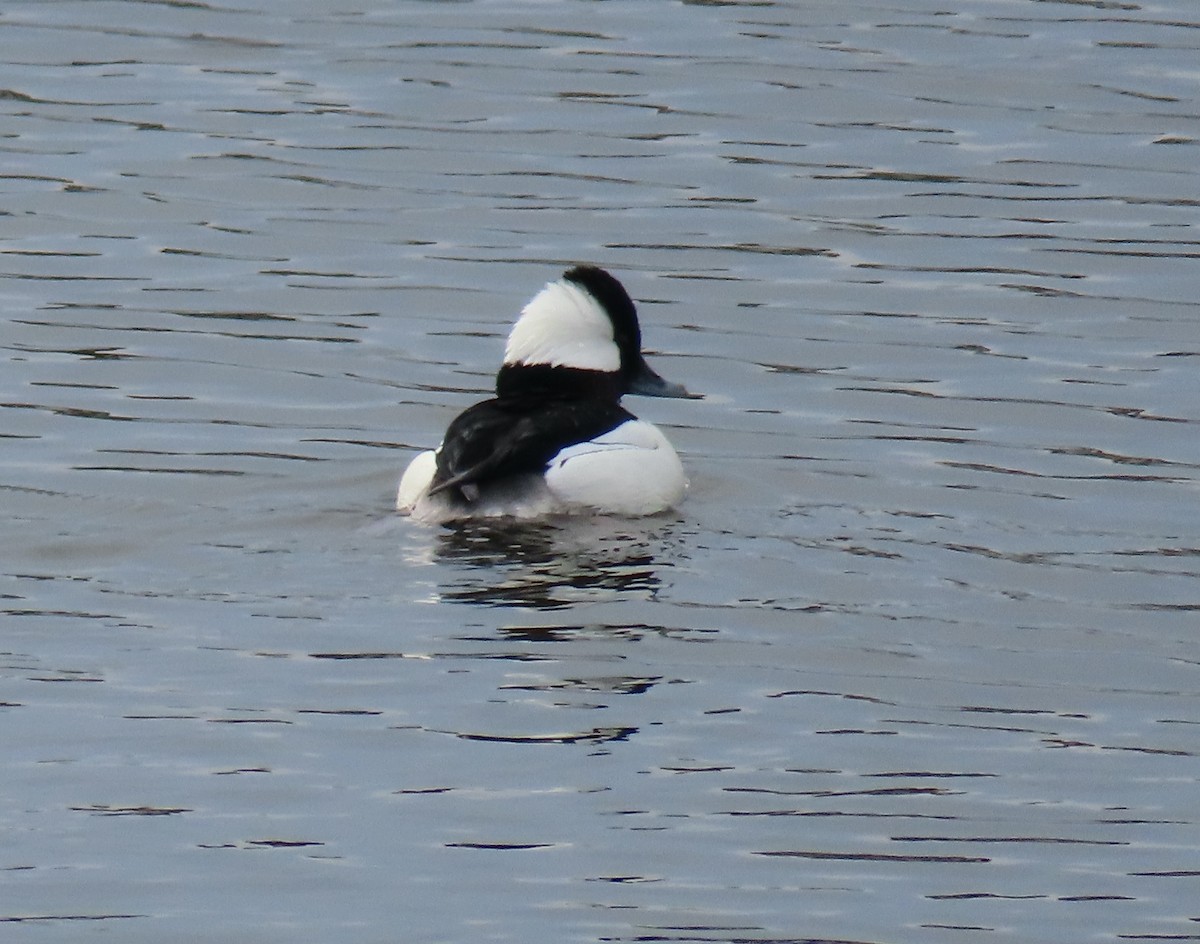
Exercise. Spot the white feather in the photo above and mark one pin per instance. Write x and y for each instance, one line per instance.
(416, 481)
(522, 496)
(631, 470)
(563, 326)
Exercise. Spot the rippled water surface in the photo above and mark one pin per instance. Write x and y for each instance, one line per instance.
(916, 661)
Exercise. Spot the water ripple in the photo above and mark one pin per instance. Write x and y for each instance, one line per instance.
(922, 633)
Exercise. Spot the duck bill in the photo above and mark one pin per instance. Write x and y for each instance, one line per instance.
(647, 383)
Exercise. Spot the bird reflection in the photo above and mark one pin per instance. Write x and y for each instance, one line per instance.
(546, 565)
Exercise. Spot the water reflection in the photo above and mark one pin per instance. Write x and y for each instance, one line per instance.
(549, 565)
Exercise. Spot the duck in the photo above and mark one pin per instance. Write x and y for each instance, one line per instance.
(555, 438)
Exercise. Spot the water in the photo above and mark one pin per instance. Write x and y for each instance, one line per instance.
(916, 661)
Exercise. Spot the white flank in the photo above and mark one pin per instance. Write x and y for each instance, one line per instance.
(631, 470)
(563, 326)
(522, 496)
(416, 481)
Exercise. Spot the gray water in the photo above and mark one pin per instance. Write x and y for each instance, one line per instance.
(917, 659)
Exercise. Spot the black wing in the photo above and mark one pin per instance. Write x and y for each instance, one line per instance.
(512, 435)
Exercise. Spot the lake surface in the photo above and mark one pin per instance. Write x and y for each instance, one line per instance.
(916, 661)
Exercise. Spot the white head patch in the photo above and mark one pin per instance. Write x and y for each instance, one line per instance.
(563, 326)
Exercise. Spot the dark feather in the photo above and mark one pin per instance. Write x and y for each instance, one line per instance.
(514, 435)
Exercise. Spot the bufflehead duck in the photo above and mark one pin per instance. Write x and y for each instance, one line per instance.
(555, 438)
